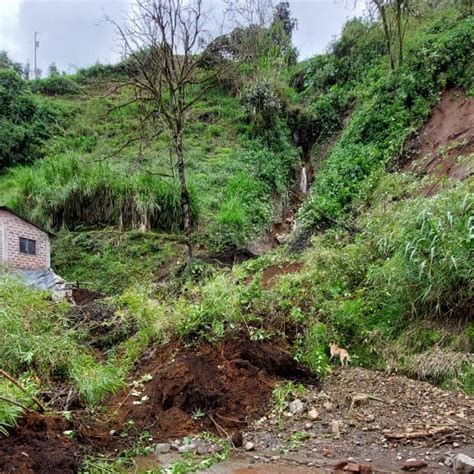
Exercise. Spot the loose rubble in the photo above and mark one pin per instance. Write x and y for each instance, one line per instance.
(362, 420)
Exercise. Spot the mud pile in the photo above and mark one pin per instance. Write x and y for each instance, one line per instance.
(39, 445)
(271, 274)
(217, 388)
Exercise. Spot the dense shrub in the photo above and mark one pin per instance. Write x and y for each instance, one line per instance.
(25, 122)
(391, 107)
(35, 342)
(55, 85)
(101, 72)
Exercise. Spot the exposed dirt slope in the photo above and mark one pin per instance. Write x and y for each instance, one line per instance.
(445, 145)
(176, 388)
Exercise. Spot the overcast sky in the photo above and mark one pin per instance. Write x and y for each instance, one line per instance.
(72, 33)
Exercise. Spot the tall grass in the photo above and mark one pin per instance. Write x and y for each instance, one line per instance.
(36, 340)
(65, 191)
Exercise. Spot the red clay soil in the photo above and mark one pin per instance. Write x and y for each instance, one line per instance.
(271, 274)
(445, 143)
(232, 382)
(39, 445)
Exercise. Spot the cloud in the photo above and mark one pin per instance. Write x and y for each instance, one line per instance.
(9, 18)
(71, 32)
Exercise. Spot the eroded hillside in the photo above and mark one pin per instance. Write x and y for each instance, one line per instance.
(332, 202)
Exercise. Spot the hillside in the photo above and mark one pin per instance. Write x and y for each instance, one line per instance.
(332, 201)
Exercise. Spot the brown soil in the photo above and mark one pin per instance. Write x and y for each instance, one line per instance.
(82, 296)
(232, 381)
(271, 274)
(445, 145)
(38, 445)
(104, 325)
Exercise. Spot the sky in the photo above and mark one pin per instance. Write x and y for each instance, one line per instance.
(73, 33)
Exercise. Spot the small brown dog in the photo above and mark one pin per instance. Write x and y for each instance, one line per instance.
(337, 351)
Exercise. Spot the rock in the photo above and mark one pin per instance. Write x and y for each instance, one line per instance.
(370, 418)
(448, 461)
(308, 426)
(202, 450)
(328, 406)
(296, 406)
(249, 446)
(237, 439)
(352, 467)
(336, 429)
(339, 464)
(327, 452)
(313, 414)
(162, 448)
(365, 468)
(463, 463)
(413, 464)
(187, 448)
(217, 448)
(455, 445)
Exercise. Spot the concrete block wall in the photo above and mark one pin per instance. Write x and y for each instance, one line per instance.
(12, 228)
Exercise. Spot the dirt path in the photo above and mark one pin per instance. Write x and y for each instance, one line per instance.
(327, 431)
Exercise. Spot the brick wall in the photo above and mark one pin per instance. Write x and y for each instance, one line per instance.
(11, 229)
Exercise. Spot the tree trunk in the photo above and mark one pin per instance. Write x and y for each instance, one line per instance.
(387, 34)
(185, 197)
(399, 32)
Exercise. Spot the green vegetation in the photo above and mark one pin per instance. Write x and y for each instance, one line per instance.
(110, 261)
(126, 460)
(388, 107)
(68, 192)
(37, 339)
(387, 273)
(26, 122)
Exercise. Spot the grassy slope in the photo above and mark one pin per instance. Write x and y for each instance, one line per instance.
(76, 188)
(374, 290)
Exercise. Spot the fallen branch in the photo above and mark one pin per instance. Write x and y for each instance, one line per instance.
(14, 402)
(448, 438)
(428, 433)
(362, 397)
(14, 381)
(220, 429)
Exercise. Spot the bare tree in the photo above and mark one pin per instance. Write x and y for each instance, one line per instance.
(250, 12)
(162, 40)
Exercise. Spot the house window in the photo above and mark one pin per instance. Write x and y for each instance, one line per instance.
(27, 246)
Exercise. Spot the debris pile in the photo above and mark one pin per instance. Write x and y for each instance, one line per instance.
(219, 388)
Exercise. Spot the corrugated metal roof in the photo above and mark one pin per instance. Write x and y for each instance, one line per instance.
(44, 279)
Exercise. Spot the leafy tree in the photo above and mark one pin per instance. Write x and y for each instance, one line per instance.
(53, 70)
(282, 15)
(7, 63)
(24, 123)
(394, 15)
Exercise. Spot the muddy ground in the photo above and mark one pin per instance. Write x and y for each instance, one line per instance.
(375, 420)
(39, 445)
(175, 390)
(392, 419)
